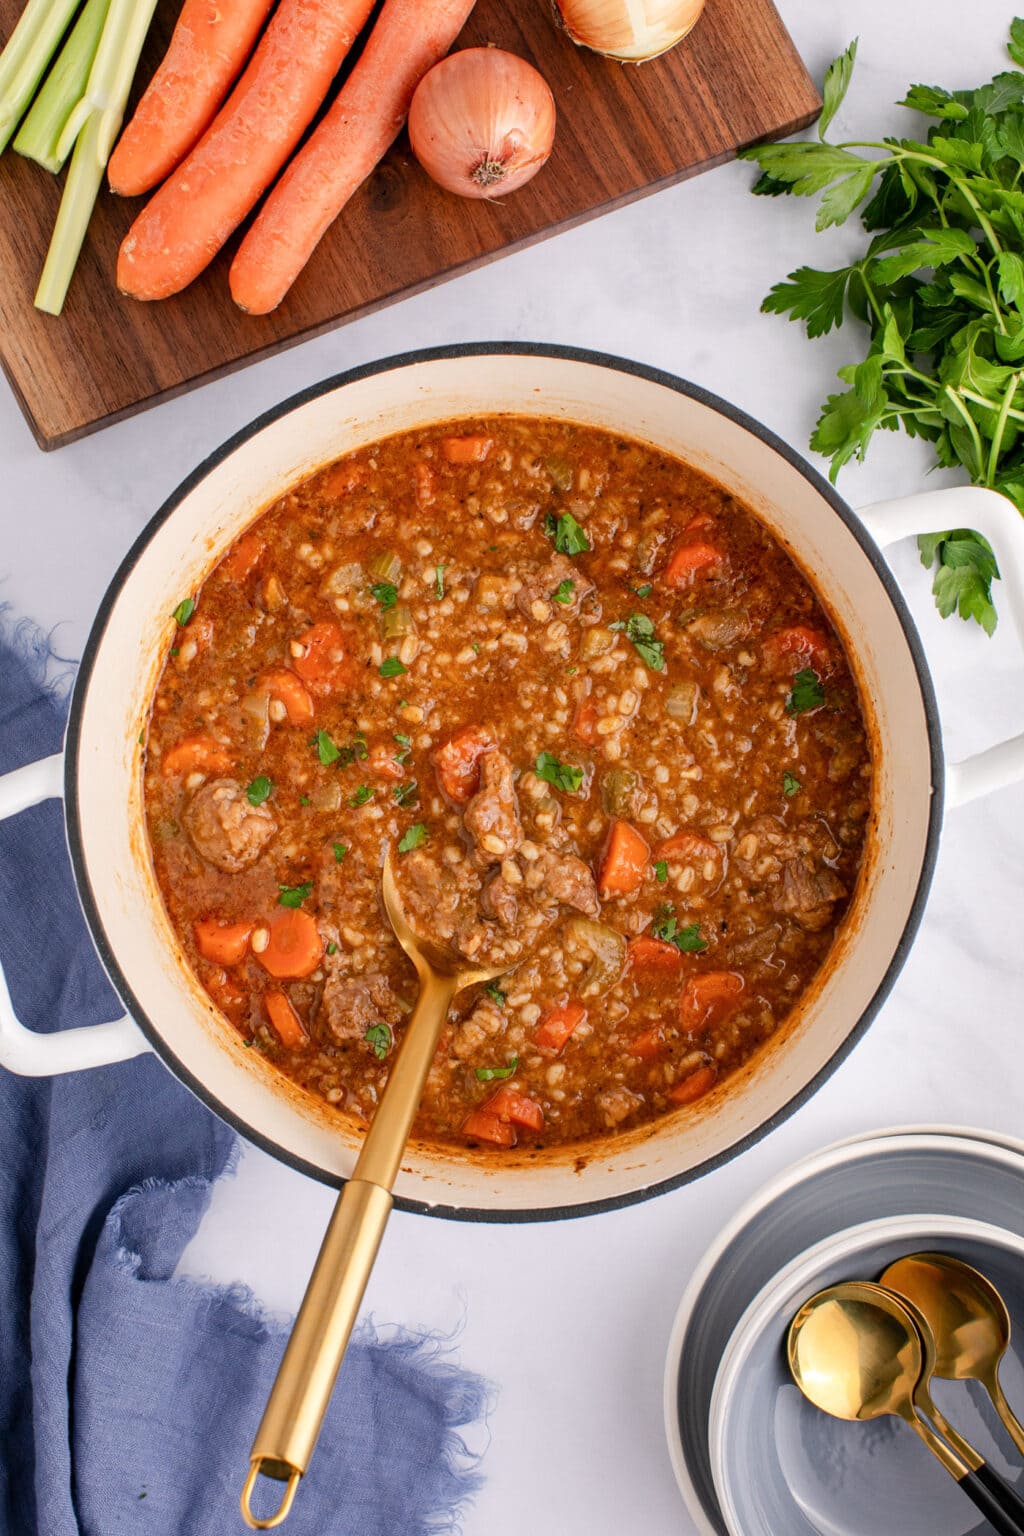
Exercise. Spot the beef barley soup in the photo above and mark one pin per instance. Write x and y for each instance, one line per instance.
(605, 722)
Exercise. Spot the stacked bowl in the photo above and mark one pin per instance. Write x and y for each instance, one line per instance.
(752, 1456)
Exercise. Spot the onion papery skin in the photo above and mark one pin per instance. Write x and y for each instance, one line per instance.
(482, 122)
(632, 31)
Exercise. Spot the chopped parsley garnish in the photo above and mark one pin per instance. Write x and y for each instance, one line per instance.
(362, 794)
(392, 667)
(259, 790)
(294, 895)
(303, 799)
(378, 1037)
(562, 775)
(332, 948)
(326, 751)
(644, 591)
(807, 692)
(141, 739)
(568, 535)
(495, 993)
(174, 650)
(439, 571)
(184, 611)
(385, 592)
(405, 743)
(790, 784)
(493, 1074)
(668, 931)
(406, 794)
(564, 591)
(475, 645)
(340, 850)
(640, 631)
(661, 871)
(414, 838)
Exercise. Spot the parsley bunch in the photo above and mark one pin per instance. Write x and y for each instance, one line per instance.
(940, 287)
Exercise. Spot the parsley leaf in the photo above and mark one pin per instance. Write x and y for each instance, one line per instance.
(568, 535)
(332, 948)
(564, 591)
(405, 745)
(259, 789)
(294, 895)
(666, 928)
(495, 993)
(661, 871)
(439, 571)
(340, 850)
(362, 794)
(938, 291)
(644, 591)
(326, 751)
(385, 592)
(640, 630)
(184, 611)
(791, 785)
(406, 794)
(378, 1037)
(494, 1074)
(563, 776)
(414, 838)
(392, 667)
(807, 692)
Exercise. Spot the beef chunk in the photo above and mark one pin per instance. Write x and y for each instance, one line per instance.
(431, 895)
(808, 892)
(350, 1004)
(492, 816)
(534, 597)
(562, 877)
(617, 1104)
(498, 901)
(224, 828)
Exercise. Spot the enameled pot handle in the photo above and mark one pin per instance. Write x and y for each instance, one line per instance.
(68, 1050)
(967, 506)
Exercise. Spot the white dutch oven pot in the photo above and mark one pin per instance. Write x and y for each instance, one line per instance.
(99, 774)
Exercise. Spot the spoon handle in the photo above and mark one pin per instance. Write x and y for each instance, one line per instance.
(1004, 1493)
(976, 1485)
(305, 1378)
(1010, 1420)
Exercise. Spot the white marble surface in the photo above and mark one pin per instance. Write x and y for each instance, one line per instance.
(572, 1319)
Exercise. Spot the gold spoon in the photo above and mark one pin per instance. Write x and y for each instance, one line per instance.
(305, 1379)
(968, 1320)
(857, 1352)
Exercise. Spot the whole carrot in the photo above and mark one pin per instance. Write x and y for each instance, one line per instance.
(187, 220)
(407, 40)
(208, 47)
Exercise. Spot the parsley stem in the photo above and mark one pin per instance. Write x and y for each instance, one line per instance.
(979, 453)
(976, 399)
(997, 309)
(1000, 428)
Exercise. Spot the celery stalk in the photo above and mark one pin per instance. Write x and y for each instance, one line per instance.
(29, 50)
(92, 126)
(63, 88)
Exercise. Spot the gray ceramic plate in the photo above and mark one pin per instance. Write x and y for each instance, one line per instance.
(781, 1465)
(950, 1172)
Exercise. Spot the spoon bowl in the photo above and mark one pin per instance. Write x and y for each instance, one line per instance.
(968, 1320)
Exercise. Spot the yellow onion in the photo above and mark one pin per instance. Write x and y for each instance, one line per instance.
(632, 30)
(482, 122)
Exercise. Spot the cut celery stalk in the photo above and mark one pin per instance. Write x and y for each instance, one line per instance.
(92, 127)
(65, 85)
(29, 50)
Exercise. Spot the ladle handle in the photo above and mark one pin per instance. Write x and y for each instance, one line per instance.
(309, 1367)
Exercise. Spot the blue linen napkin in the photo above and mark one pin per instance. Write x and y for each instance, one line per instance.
(128, 1398)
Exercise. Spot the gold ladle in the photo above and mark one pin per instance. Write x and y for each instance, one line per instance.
(857, 1351)
(305, 1379)
(968, 1320)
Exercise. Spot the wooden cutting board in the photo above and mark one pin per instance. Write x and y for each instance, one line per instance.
(623, 131)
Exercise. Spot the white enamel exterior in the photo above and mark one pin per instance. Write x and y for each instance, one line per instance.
(129, 645)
